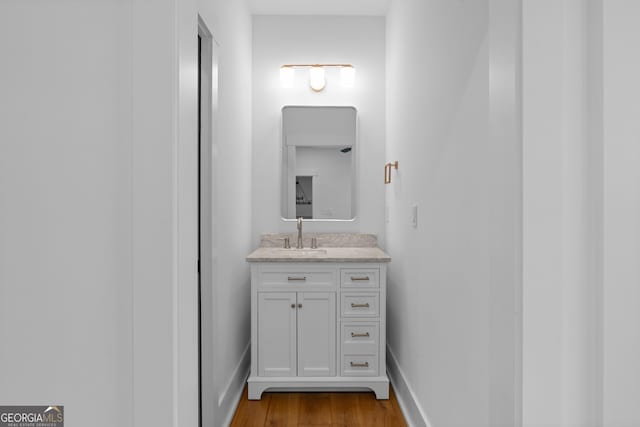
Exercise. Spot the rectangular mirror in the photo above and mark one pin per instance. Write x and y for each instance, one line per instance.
(319, 162)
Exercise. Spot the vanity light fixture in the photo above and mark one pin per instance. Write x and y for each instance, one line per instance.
(287, 76)
(347, 75)
(317, 79)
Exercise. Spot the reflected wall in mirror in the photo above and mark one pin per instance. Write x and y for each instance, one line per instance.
(319, 162)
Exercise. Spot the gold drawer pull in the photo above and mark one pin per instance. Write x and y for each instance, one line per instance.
(363, 278)
(359, 365)
(354, 305)
(293, 278)
(359, 335)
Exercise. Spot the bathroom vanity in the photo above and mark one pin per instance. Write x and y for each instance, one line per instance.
(318, 318)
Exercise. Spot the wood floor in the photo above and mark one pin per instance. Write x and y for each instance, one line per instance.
(318, 409)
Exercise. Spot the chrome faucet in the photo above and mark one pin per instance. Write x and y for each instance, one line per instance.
(299, 245)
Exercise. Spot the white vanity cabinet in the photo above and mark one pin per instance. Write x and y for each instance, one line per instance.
(318, 326)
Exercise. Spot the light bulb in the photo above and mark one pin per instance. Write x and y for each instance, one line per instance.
(316, 78)
(287, 76)
(347, 75)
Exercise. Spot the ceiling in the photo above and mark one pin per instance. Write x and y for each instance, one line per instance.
(318, 7)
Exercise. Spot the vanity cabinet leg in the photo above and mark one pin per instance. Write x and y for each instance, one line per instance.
(381, 391)
(255, 391)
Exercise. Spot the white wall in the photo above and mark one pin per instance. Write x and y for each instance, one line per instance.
(621, 214)
(100, 209)
(437, 128)
(505, 212)
(65, 215)
(98, 182)
(581, 204)
(279, 40)
(559, 379)
(230, 24)
(164, 212)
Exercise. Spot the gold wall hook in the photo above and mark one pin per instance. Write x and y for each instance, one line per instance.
(387, 171)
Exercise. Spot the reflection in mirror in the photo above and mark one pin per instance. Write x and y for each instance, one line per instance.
(319, 158)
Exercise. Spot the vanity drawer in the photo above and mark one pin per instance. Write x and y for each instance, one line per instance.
(301, 278)
(360, 365)
(360, 338)
(360, 304)
(359, 277)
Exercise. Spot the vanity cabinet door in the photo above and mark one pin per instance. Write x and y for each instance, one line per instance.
(316, 334)
(297, 334)
(277, 334)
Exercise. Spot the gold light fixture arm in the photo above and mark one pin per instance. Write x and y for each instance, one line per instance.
(387, 171)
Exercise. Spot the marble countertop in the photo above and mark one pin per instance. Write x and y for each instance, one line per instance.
(322, 254)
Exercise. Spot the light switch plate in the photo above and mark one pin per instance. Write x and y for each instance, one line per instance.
(414, 216)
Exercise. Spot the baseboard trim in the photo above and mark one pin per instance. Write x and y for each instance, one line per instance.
(413, 413)
(230, 397)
